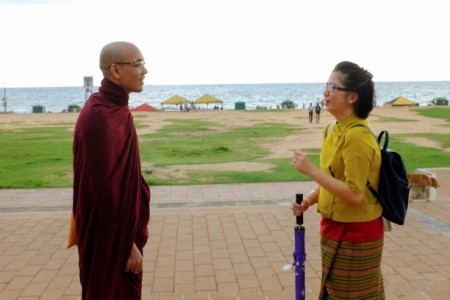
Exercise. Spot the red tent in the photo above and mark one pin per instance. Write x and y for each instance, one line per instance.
(144, 107)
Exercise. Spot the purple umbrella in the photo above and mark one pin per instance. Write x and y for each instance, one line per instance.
(299, 254)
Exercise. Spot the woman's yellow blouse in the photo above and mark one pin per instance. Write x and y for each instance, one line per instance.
(353, 156)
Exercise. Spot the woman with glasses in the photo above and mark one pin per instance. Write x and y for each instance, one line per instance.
(351, 228)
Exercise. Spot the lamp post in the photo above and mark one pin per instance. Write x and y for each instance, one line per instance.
(5, 100)
(88, 85)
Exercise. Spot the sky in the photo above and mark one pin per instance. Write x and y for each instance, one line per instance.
(50, 43)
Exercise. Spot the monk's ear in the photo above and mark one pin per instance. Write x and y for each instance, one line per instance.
(114, 70)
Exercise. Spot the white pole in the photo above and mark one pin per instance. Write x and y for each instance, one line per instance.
(5, 100)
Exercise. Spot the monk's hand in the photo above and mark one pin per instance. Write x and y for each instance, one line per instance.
(135, 261)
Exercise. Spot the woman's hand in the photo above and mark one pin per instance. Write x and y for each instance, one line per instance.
(302, 163)
(298, 209)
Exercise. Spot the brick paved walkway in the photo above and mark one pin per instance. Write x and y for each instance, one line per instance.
(216, 242)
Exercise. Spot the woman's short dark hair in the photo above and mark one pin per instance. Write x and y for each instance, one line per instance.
(358, 80)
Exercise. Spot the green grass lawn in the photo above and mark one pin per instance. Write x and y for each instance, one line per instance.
(36, 157)
(442, 112)
(42, 156)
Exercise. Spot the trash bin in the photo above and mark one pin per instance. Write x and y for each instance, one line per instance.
(73, 108)
(239, 105)
(38, 109)
(288, 104)
(441, 101)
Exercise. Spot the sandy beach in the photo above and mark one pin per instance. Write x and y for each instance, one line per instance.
(398, 120)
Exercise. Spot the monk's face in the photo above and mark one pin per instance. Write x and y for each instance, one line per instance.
(132, 71)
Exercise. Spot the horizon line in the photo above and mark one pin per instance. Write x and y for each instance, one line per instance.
(205, 84)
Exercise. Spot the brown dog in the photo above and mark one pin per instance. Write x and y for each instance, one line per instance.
(420, 182)
(434, 182)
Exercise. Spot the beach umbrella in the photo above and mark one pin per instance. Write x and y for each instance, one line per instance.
(299, 254)
(144, 107)
(401, 101)
(207, 99)
(177, 100)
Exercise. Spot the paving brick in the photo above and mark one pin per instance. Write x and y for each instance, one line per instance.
(163, 285)
(165, 271)
(74, 288)
(182, 265)
(222, 264)
(228, 288)
(247, 281)
(234, 252)
(243, 268)
(8, 276)
(60, 282)
(44, 275)
(52, 293)
(207, 283)
(223, 276)
(19, 283)
(184, 278)
(10, 294)
(204, 270)
(35, 289)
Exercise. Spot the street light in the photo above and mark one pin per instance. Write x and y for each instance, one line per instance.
(5, 100)
(88, 85)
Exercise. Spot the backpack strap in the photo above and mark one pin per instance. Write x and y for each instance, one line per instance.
(369, 186)
(378, 140)
(383, 148)
(329, 129)
(386, 139)
(362, 125)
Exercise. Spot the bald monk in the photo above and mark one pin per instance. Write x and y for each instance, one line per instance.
(110, 196)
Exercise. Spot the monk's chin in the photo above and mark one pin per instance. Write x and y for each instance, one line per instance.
(138, 89)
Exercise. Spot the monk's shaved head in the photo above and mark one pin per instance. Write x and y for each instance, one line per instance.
(115, 52)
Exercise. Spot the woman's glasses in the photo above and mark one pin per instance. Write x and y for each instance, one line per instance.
(331, 87)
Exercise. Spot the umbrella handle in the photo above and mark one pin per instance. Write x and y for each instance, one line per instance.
(298, 200)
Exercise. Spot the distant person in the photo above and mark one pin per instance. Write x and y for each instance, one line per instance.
(110, 196)
(317, 109)
(351, 226)
(311, 112)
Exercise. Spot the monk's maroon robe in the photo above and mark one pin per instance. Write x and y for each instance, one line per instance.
(110, 196)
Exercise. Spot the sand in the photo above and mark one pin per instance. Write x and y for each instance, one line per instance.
(401, 120)
(396, 120)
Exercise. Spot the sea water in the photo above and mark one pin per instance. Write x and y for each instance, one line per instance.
(57, 99)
